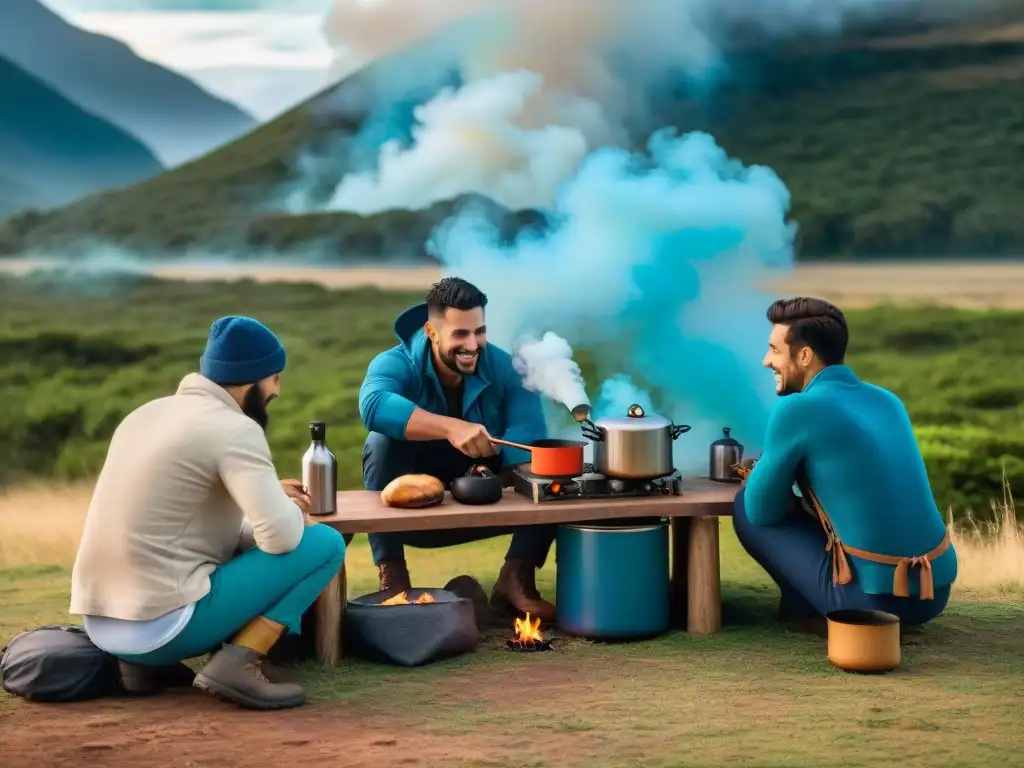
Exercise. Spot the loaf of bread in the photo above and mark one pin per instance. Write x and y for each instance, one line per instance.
(413, 492)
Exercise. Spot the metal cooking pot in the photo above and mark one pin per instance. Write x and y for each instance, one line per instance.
(612, 579)
(636, 446)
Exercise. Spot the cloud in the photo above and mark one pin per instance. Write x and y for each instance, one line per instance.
(265, 61)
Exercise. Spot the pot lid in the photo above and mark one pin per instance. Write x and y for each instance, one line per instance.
(635, 418)
(726, 440)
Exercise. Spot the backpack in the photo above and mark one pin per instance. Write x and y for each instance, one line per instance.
(56, 664)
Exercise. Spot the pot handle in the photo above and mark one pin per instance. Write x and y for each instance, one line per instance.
(591, 431)
(479, 470)
(679, 429)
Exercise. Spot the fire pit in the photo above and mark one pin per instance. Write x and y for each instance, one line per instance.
(528, 637)
(411, 628)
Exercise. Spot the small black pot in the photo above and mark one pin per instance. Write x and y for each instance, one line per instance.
(478, 486)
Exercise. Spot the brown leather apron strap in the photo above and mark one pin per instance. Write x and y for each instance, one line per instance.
(842, 573)
(901, 578)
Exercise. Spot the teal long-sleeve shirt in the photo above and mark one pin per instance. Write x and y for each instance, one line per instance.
(856, 447)
(402, 379)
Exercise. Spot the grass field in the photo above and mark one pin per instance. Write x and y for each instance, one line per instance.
(899, 145)
(75, 357)
(751, 695)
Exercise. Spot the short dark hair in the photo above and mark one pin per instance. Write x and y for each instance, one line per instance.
(454, 293)
(814, 323)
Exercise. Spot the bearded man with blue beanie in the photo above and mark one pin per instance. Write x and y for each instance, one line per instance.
(192, 544)
(241, 350)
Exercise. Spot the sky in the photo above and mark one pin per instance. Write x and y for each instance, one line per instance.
(264, 55)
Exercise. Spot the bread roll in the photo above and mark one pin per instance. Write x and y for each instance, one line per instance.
(413, 492)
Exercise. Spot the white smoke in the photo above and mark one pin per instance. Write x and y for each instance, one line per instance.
(546, 83)
(480, 139)
(546, 366)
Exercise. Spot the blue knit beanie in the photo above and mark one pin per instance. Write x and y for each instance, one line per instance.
(241, 350)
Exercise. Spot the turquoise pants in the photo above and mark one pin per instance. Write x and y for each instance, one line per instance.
(279, 587)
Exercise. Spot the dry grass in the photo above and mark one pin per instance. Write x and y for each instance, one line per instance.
(991, 555)
(967, 285)
(41, 525)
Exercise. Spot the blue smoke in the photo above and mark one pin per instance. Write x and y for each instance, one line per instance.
(652, 268)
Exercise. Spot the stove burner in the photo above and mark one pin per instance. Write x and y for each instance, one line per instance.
(591, 485)
(530, 646)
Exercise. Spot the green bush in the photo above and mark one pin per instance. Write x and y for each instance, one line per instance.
(76, 357)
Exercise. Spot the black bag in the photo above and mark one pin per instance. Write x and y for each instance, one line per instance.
(57, 663)
(410, 635)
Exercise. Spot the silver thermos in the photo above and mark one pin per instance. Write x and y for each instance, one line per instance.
(320, 472)
(724, 453)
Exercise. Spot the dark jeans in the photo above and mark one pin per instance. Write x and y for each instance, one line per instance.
(793, 553)
(385, 459)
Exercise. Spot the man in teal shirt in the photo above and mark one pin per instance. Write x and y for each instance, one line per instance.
(868, 534)
(431, 404)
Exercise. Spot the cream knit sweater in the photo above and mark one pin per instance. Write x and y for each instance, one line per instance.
(188, 480)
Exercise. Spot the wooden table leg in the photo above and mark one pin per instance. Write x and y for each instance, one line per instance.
(704, 581)
(330, 615)
(679, 532)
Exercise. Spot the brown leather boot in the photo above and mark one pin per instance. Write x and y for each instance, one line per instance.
(515, 591)
(235, 673)
(394, 576)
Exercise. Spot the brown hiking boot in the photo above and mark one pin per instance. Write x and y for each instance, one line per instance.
(235, 673)
(394, 576)
(515, 591)
(143, 680)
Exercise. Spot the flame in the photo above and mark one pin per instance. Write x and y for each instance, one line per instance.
(528, 630)
(402, 599)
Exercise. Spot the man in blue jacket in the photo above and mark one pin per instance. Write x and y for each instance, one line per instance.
(431, 403)
(867, 533)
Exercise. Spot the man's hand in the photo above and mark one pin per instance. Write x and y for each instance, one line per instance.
(744, 468)
(298, 493)
(472, 439)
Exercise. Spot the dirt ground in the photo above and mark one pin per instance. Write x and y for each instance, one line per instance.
(190, 730)
(746, 697)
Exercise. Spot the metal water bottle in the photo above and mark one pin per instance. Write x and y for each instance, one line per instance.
(320, 472)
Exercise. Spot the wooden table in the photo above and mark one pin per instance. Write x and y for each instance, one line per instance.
(696, 576)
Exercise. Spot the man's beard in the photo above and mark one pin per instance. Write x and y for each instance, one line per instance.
(453, 365)
(254, 405)
(791, 384)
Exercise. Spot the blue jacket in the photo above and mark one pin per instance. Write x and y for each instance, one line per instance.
(403, 377)
(861, 458)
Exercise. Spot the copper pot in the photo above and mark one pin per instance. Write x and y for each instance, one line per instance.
(863, 641)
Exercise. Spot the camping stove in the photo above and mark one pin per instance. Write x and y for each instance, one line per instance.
(591, 485)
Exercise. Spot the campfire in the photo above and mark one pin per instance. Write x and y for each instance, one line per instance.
(528, 636)
(402, 598)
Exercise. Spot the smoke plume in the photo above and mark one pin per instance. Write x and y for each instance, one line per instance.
(650, 264)
(546, 366)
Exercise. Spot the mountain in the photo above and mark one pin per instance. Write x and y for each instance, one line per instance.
(52, 151)
(905, 145)
(167, 111)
